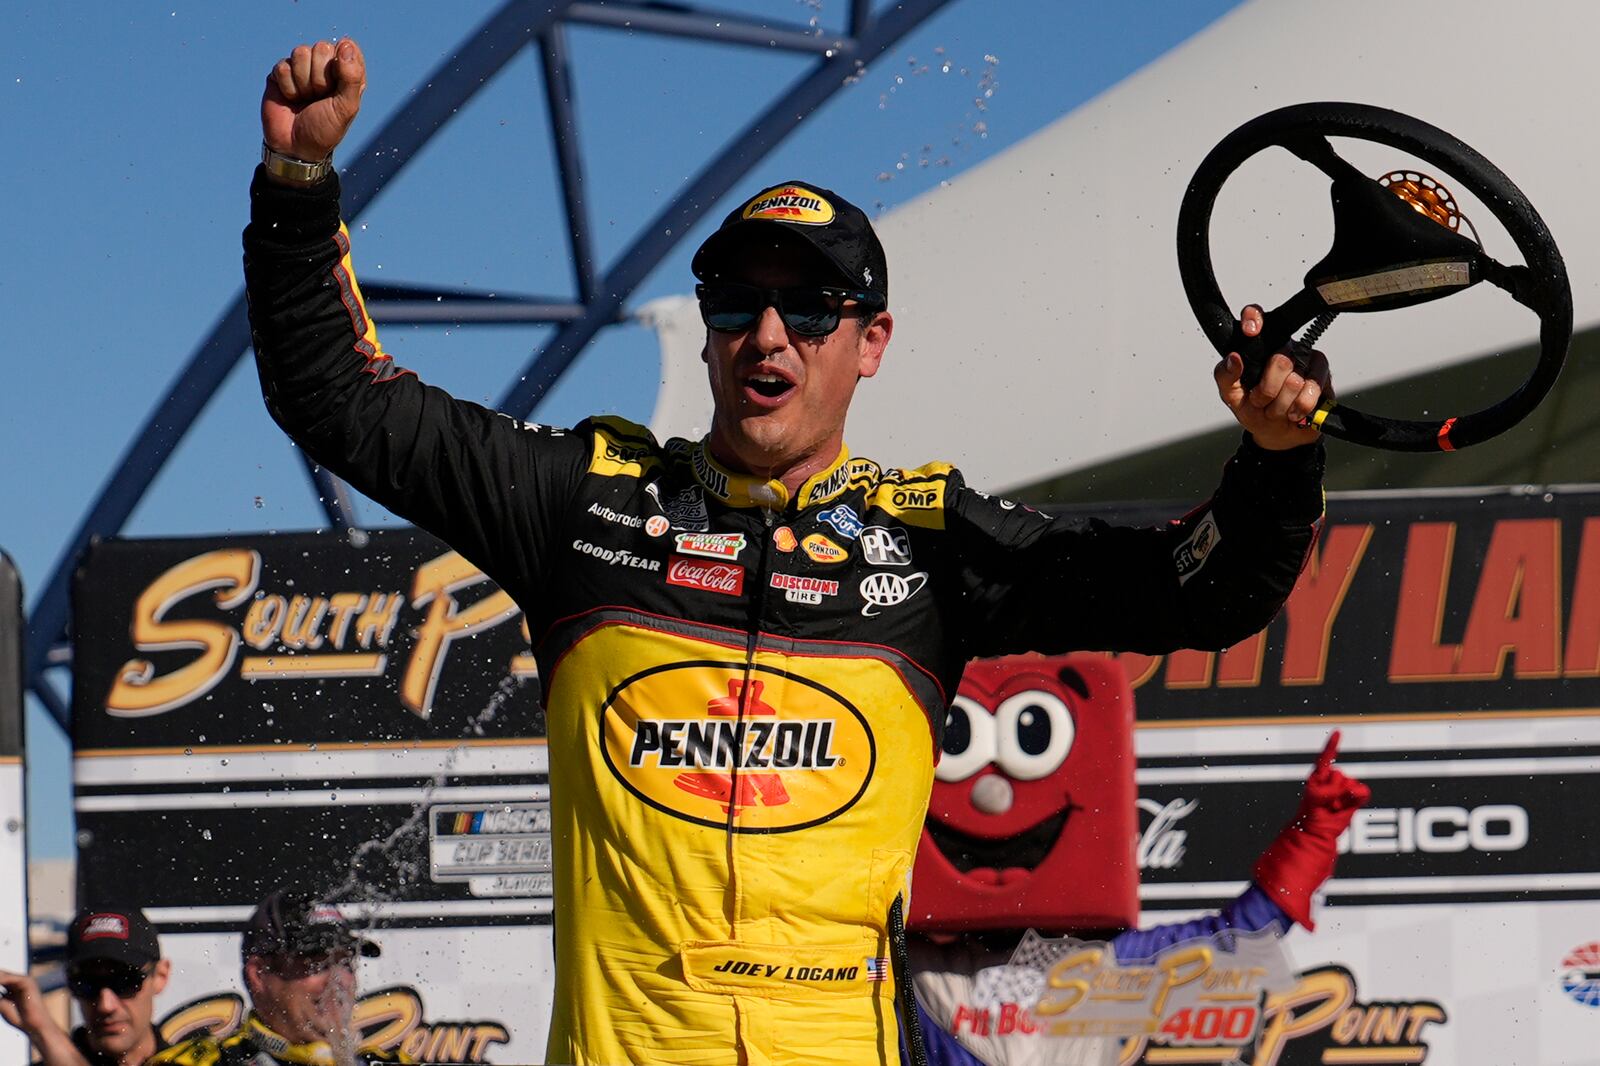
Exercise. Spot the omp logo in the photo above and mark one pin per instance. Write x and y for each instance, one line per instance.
(702, 741)
(620, 452)
(790, 203)
(916, 497)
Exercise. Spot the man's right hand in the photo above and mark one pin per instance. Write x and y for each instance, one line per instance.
(311, 99)
(21, 1003)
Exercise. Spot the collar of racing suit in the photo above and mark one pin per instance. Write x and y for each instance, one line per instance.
(743, 490)
(317, 1053)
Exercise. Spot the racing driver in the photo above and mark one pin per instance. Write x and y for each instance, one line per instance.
(746, 643)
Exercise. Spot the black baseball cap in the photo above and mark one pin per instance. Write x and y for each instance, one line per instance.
(292, 922)
(820, 217)
(120, 934)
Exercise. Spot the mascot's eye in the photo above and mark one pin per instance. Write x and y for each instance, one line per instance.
(968, 744)
(1033, 734)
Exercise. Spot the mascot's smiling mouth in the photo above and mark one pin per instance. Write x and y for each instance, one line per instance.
(1024, 851)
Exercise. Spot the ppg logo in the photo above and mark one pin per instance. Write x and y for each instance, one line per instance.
(885, 590)
(886, 546)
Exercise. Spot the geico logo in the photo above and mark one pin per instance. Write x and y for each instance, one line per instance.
(1435, 830)
(616, 556)
(762, 744)
(775, 753)
(915, 497)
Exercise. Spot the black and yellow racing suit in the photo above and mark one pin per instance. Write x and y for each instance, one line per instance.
(255, 1044)
(744, 686)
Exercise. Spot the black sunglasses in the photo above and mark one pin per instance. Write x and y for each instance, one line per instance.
(123, 981)
(811, 310)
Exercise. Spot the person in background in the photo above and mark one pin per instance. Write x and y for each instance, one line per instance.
(114, 971)
(299, 960)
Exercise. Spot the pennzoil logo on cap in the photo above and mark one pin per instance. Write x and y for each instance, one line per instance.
(790, 203)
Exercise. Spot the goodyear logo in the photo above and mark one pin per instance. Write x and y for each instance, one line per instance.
(703, 741)
(790, 203)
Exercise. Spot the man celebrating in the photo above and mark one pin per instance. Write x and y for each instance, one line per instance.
(114, 971)
(747, 643)
(299, 960)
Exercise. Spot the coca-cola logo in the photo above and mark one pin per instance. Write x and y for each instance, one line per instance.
(1161, 845)
(726, 578)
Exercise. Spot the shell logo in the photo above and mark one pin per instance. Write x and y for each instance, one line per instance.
(728, 746)
(790, 203)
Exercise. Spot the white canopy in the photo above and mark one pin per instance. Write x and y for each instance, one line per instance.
(1040, 322)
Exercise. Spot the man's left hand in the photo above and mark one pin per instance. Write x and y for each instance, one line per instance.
(1286, 396)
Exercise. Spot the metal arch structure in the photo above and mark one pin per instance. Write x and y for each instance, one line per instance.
(517, 24)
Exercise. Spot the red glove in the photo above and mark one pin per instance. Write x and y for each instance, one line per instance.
(1301, 858)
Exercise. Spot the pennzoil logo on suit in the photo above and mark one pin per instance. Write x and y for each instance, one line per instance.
(798, 755)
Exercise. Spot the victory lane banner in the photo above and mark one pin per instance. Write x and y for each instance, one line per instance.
(1467, 602)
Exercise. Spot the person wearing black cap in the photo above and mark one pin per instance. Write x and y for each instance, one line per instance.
(746, 643)
(299, 958)
(114, 971)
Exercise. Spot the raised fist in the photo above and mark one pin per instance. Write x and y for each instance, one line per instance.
(1301, 858)
(311, 99)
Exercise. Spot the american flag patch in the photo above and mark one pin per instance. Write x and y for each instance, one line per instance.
(877, 969)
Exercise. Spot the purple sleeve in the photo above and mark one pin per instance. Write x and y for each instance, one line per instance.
(1252, 912)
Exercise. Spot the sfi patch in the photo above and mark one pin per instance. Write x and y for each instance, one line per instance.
(700, 741)
(790, 203)
(822, 550)
(1191, 555)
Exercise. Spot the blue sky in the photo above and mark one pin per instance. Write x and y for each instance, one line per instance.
(134, 132)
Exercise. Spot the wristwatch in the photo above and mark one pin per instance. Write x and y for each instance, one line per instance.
(295, 171)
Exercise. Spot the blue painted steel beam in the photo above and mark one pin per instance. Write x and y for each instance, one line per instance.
(721, 27)
(569, 158)
(663, 232)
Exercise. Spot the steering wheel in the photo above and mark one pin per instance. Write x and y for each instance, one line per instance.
(1397, 242)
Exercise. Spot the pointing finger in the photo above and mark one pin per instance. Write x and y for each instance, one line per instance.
(1330, 751)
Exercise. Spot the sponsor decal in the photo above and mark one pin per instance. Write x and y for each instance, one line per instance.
(1191, 554)
(886, 589)
(791, 203)
(711, 545)
(798, 589)
(703, 741)
(656, 525)
(604, 513)
(725, 578)
(615, 556)
(784, 540)
(886, 546)
(103, 926)
(1580, 975)
(844, 521)
(685, 509)
(391, 1019)
(918, 498)
(490, 846)
(709, 476)
(1161, 845)
(822, 550)
(832, 485)
(1436, 830)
